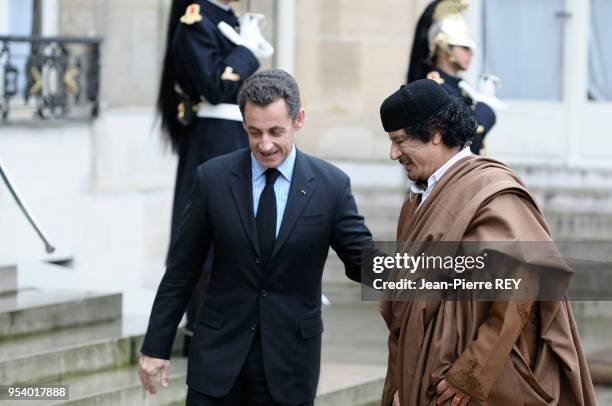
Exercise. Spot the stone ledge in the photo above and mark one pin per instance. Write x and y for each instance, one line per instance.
(8, 278)
(600, 365)
(31, 311)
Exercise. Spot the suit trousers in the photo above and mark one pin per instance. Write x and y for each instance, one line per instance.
(250, 388)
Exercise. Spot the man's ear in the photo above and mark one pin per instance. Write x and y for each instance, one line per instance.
(437, 138)
(299, 119)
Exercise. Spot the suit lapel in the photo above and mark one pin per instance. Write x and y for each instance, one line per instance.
(300, 193)
(242, 191)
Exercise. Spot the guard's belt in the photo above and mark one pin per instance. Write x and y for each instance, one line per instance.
(223, 111)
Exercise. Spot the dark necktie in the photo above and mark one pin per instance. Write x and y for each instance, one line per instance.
(266, 216)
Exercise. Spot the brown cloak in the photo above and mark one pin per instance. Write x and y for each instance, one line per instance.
(503, 352)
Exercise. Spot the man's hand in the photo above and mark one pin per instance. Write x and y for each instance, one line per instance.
(149, 368)
(446, 391)
(396, 399)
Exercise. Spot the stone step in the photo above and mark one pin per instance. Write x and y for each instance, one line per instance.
(342, 292)
(78, 350)
(572, 201)
(379, 213)
(577, 204)
(339, 385)
(56, 340)
(600, 366)
(579, 226)
(555, 187)
(347, 378)
(568, 222)
(334, 269)
(121, 387)
(591, 316)
(32, 311)
(382, 173)
(380, 209)
(350, 385)
(59, 339)
(565, 178)
(387, 204)
(51, 365)
(603, 394)
(8, 278)
(380, 196)
(569, 217)
(379, 174)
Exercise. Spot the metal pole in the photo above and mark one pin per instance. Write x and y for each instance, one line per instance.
(48, 247)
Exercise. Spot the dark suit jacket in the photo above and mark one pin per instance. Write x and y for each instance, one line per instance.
(283, 300)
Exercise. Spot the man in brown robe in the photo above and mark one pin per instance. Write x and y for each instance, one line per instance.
(471, 352)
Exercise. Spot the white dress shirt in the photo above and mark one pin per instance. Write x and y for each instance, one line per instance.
(281, 186)
(437, 175)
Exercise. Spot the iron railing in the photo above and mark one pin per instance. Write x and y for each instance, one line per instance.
(49, 77)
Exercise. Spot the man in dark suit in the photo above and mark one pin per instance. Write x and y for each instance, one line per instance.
(271, 213)
(202, 73)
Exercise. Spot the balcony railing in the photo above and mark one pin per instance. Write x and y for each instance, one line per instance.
(44, 78)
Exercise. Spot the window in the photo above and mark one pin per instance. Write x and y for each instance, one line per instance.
(20, 19)
(42, 74)
(523, 45)
(600, 51)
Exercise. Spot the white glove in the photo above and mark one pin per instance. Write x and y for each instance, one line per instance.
(488, 85)
(478, 97)
(250, 36)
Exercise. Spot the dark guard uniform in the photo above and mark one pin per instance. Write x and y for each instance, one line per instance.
(209, 71)
(202, 74)
(483, 113)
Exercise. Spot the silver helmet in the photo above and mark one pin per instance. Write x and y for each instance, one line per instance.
(449, 27)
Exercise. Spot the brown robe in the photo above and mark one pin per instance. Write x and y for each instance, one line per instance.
(500, 353)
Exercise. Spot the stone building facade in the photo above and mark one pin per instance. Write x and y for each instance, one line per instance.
(102, 188)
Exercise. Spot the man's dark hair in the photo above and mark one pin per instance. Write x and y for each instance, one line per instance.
(266, 87)
(455, 123)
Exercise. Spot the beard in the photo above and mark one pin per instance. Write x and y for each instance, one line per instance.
(413, 177)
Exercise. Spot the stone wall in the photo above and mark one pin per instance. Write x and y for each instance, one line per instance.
(133, 32)
(350, 54)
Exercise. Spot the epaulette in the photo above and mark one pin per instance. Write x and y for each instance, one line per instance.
(192, 14)
(435, 76)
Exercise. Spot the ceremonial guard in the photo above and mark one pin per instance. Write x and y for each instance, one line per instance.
(443, 47)
(209, 54)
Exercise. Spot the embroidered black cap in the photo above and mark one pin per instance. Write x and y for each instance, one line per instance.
(412, 104)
